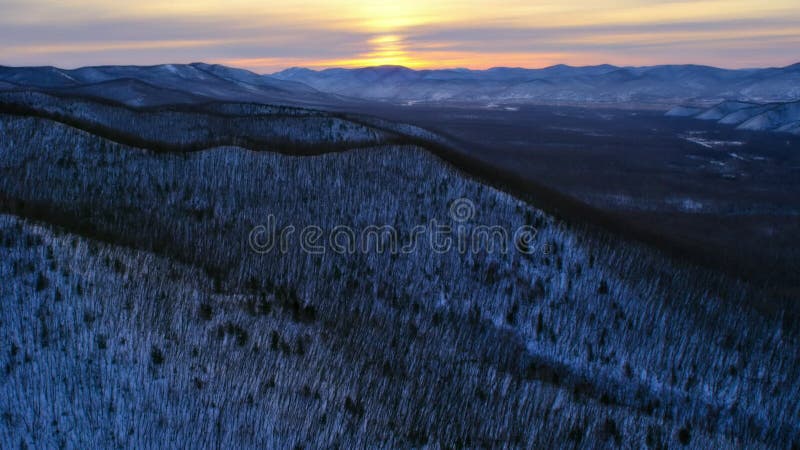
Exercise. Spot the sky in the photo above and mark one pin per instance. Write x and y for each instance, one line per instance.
(266, 36)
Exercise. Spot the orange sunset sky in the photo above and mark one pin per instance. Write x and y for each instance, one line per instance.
(270, 36)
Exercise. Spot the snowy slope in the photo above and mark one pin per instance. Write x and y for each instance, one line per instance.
(683, 111)
(777, 117)
(724, 109)
(181, 83)
(133, 92)
(774, 118)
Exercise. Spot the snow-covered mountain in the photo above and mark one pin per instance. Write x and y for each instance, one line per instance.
(777, 117)
(593, 84)
(165, 84)
(132, 92)
(724, 109)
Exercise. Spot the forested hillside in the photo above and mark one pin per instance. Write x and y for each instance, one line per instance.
(137, 312)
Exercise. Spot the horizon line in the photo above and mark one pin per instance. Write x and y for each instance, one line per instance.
(399, 66)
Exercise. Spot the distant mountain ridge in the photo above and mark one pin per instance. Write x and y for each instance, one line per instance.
(164, 84)
(660, 86)
(561, 83)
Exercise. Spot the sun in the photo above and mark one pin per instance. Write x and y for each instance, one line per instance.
(389, 49)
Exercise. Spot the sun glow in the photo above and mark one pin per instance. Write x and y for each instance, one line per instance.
(384, 50)
(385, 21)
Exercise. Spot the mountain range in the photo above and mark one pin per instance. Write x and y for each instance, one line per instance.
(655, 86)
(561, 83)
